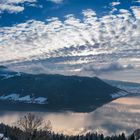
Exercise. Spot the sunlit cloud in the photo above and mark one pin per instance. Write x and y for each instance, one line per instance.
(74, 41)
(56, 1)
(136, 11)
(108, 68)
(12, 6)
(115, 3)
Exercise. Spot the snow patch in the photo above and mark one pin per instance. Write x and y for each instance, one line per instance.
(3, 138)
(131, 89)
(10, 97)
(119, 94)
(24, 99)
(7, 76)
(40, 100)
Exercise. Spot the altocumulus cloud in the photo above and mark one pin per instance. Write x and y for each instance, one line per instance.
(11, 6)
(108, 68)
(74, 42)
(56, 1)
(115, 3)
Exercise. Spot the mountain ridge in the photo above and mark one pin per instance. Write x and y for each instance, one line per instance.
(70, 93)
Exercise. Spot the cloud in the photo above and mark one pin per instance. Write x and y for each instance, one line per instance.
(11, 6)
(136, 11)
(56, 1)
(115, 3)
(17, 1)
(73, 43)
(136, 1)
(110, 119)
(112, 67)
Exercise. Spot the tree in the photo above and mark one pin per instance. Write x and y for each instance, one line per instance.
(30, 124)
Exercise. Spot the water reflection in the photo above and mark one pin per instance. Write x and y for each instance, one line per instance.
(113, 118)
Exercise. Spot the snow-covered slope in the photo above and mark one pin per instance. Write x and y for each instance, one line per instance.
(7, 74)
(25, 99)
(129, 87)
(119, 94)
(2, 137)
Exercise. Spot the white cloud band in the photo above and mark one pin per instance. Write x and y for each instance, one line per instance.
(73, 41)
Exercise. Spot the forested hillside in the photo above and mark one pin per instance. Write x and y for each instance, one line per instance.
(13, 133)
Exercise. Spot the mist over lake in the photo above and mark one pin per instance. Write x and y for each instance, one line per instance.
(121, 115)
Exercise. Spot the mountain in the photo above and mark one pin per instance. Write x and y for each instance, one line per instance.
(130, 87)
(20, 91)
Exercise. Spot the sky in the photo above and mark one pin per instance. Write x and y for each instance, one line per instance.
(72, 37)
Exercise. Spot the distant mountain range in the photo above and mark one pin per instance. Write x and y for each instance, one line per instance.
(130, 87)
(20, 91)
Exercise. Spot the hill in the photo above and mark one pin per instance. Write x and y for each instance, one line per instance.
(20, 91)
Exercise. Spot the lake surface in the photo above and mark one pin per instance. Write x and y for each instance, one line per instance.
(121, 115)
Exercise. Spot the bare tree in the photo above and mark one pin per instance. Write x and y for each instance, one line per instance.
(30, 123)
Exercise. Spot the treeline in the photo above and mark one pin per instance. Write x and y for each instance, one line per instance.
(14, 133)
(31, 127)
